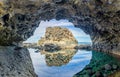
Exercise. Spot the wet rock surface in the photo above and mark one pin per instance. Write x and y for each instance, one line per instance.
(15, 62)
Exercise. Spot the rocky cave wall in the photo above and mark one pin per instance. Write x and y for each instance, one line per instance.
(98, 18)
(15, 62)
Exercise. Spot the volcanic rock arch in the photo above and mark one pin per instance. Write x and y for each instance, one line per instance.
(98, 18)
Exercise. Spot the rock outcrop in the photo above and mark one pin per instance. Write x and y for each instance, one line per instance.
(58, 36)
(98, 18)
(15, 62)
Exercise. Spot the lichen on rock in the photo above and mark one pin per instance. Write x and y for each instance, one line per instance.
(59, 36)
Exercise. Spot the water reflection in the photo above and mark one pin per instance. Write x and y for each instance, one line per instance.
(101, 65)
(59, 58)
(64, 63)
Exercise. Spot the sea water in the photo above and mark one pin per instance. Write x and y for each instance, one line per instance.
(64, 63)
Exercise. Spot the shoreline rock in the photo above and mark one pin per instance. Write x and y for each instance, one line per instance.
(15, 62)
(58, 36)
(52, 47)
(86, 47)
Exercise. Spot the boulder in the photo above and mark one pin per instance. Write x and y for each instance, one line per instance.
(107, 67)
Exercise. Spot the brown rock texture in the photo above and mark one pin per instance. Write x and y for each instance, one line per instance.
(58, 36)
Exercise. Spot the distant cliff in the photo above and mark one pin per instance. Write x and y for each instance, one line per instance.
(58, 36)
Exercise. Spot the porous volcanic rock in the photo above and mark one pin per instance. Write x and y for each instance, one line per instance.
(98, 18)
(60, 37)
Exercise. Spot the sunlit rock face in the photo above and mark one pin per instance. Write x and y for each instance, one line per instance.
(59, 58)
(16, 24)
(15, 62)
(98, 18)
(61, 37)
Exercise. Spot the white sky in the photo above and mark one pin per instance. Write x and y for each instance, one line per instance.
(40, 31)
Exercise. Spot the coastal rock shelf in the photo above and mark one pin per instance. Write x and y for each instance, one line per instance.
(57, 38)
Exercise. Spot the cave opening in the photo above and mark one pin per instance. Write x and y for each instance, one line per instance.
(98, 18)
(78, 33)
(69, 61)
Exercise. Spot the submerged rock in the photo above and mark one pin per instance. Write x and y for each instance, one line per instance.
(100, 66)
(98, 74)
(108, 67)
(114, 66)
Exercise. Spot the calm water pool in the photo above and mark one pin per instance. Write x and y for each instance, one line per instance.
(77, 63)
(64, 63)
